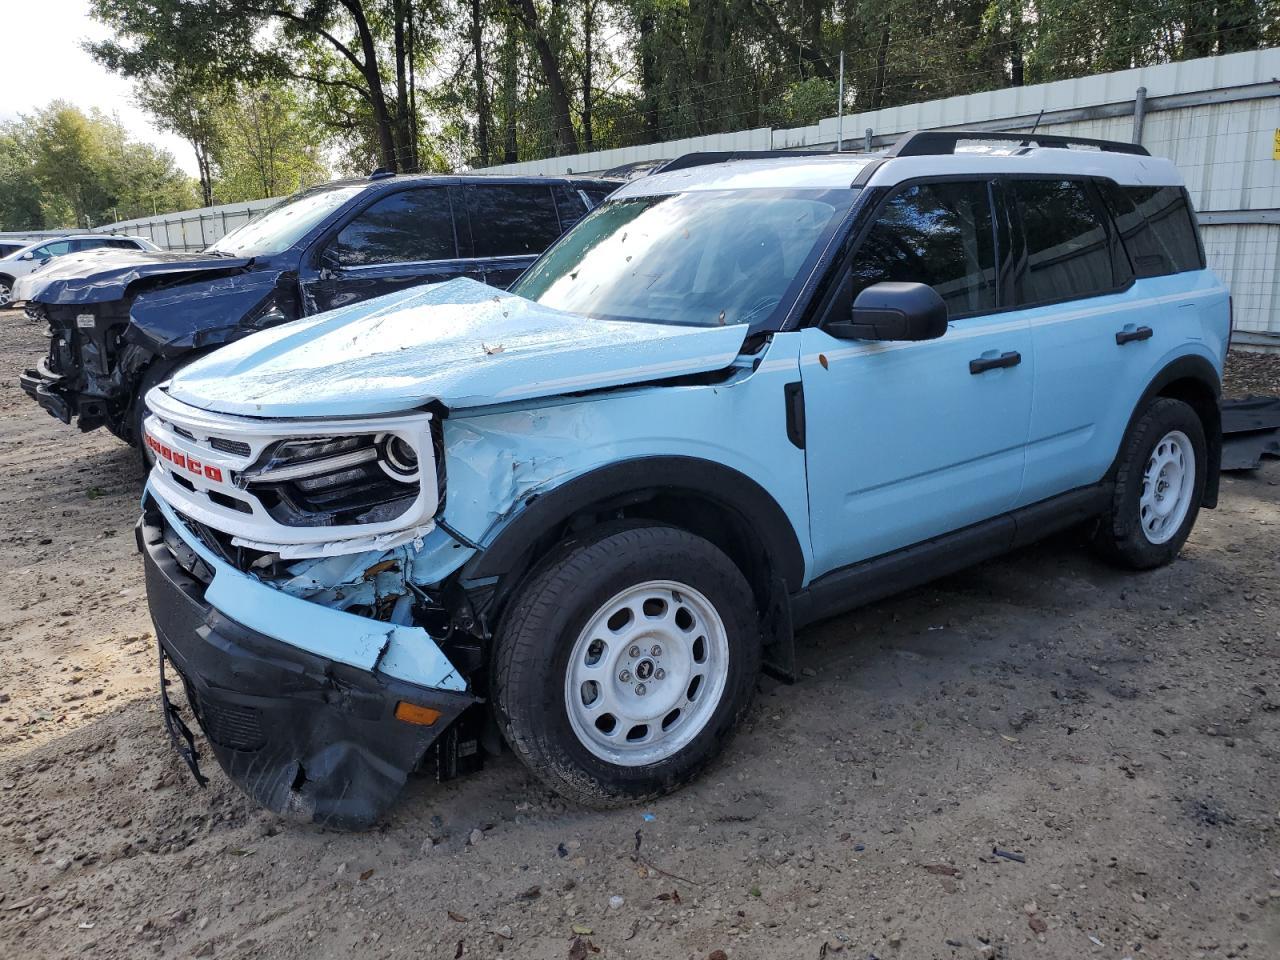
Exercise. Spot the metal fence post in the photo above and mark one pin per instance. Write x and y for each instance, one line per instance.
(867, 139)
(840, 108)
(1139, 113)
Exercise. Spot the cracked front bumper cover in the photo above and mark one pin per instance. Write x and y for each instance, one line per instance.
(305, 736)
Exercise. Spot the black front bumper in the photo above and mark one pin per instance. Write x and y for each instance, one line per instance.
(304, 736)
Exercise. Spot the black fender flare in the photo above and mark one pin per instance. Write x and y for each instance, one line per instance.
(1194, 368)
(634, 481)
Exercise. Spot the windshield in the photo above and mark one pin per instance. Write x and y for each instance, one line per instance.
(284, 225)
(703, 258)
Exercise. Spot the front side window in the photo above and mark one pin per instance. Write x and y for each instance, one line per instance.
(703, 258)
(934, 233)
(512, 219)
(285, 224)
(1069, 252)
(406, 227)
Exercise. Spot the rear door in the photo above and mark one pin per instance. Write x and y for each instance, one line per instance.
(511, 224)
(1074, 288)
(906, 441)
(400, 240)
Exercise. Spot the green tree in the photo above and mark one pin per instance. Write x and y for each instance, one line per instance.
(81, 170)
(267, 145)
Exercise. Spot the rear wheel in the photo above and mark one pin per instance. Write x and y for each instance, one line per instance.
(6, 291)
(1159, 486)
(625, 662)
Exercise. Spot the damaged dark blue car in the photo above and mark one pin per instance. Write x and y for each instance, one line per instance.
(121, 322)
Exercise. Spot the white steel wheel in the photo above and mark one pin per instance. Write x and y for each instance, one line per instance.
(1168, 483)
(646, 673)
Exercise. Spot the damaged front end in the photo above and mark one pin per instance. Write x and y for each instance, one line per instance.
(111, 335)
(283, 565)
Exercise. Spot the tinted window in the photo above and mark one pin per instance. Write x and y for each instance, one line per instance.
(510, 220)
(1156, 227)
(123, 244)
(408, 226)
(87, 244)
(1069, 253)
(935, 233)
(571, 205)
(55, 249)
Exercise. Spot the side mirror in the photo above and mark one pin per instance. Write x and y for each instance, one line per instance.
(28, 256)
(894, 311)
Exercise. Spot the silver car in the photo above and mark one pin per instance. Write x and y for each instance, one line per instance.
(32, 257)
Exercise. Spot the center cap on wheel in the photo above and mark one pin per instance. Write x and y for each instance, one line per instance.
(644, 669)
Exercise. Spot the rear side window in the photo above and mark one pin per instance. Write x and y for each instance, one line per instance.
(572, 206)
(405, 227)
(123, 244)
(87, 244)
(1156, 228)
(512, 219)
(934, 233)
(1069, 251)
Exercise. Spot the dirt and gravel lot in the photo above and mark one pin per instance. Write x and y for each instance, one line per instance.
(1118, 733)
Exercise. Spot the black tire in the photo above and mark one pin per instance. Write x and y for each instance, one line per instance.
(6, 290)
(1121, 536)
(532, 650)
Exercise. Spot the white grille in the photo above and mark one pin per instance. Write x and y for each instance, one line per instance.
(235, 476)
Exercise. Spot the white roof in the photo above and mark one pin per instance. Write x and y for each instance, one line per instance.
(839, 170)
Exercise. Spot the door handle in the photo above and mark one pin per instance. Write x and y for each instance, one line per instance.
(1128, 336)
(983, 364)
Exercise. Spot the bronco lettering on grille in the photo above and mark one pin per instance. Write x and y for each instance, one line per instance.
(183, 461)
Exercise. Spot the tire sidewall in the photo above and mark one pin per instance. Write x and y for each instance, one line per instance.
(1164, 416)
(542, 699)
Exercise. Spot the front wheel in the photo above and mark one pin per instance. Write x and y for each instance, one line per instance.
(625, 663)
(1159, 486)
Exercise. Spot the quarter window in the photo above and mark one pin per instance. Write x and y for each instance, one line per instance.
(1156, 227)
(934, 233)
(512, 219)
(1069, 252)
(406, 227)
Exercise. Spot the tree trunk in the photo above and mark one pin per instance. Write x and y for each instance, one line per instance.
(382, 119)
(510, 53)
(882, 67)
(648, 77)
(566, 139)
(588, 28)
(482, 92)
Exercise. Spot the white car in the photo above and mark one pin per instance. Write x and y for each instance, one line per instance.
(32, 257)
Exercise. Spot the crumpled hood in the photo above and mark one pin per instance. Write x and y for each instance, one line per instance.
(101, 275)
(462, 343)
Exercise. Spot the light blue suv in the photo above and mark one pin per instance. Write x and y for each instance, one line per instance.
(746, 393)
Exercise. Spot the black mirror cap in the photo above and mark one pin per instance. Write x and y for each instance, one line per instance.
(894, 311)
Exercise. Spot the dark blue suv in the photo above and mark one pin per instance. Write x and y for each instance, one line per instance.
(122, 321)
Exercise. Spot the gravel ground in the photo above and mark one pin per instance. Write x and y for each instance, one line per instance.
(1252, 373)
(1117, 732)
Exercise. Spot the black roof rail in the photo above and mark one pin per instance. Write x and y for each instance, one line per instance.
(721, 156)
(929, 143)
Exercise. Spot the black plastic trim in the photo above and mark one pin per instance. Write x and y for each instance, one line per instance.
(793, 395)
(868, 580)
(928, 143)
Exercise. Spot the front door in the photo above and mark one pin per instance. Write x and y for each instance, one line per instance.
(402, 239)
(906, 441)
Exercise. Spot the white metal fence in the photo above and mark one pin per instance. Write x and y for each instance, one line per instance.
(1217, 118)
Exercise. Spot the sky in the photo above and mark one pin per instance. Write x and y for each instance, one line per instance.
(43, 61)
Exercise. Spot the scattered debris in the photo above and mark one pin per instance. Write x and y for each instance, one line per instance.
(1008, 855)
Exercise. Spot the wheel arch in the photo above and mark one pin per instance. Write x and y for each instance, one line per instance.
(1193, 380)
(706, 498)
